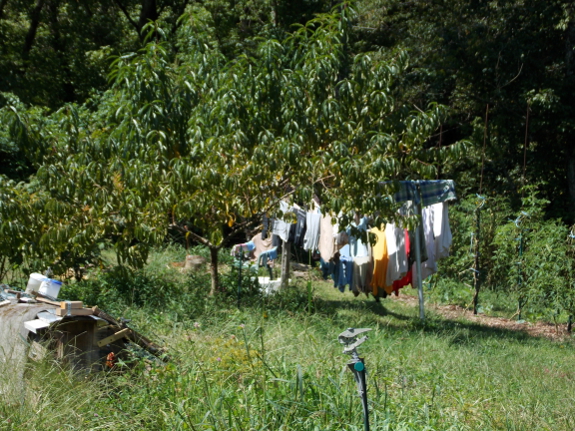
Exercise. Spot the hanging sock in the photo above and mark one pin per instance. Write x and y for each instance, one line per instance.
(246, 248)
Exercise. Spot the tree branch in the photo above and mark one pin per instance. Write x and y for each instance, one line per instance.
(235, 228)
(197, 237)
(123, 9)
(34, 23)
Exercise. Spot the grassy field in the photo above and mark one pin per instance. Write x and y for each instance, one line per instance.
(275, 364)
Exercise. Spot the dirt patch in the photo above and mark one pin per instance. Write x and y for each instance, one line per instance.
(453, 312)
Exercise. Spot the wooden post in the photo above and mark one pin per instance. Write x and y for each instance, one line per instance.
(214, 270)
(476, 273)
(286, 254)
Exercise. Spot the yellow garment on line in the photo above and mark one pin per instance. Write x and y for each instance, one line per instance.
(380, 262)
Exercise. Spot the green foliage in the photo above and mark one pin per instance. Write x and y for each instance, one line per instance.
(240, 370)
(158, 287)
(524, 258)
(495, 60)
(195, 137)
(452, 291)
(56, 52)
(458, 266)
(534, 260)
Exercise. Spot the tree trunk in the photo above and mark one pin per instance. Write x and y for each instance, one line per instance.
(570, 81)
(286, 254)
(214, 270)
(34, 23)
(149, 12)
(571, 179)
(59, 45)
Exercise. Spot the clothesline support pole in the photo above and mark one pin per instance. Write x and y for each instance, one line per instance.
(286, 254)
(418, 263)
(241, 263)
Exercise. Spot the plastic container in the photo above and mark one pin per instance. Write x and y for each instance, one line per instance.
(50, 287)
(34, 282)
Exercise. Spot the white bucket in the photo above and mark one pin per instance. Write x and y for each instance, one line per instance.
(34, 282)
(50, 287)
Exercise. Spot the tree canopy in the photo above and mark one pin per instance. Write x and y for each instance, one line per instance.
(123, 119)
(195, 136)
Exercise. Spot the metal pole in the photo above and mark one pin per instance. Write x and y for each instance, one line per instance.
(363, 389)
(240, 276)
(358, 367)
(418, 263)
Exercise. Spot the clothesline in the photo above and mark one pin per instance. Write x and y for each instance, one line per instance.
(315, 231)
(428, 192)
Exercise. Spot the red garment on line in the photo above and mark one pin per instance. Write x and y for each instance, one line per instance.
(407, 278)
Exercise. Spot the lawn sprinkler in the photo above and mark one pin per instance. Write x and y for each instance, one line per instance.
(349, 339)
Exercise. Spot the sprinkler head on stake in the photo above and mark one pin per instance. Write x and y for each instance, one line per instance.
(350, 348)
(350, 340)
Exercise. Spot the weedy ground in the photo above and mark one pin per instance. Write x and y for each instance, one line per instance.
(275, 364)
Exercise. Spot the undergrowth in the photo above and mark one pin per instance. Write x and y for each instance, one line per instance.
(274, 363)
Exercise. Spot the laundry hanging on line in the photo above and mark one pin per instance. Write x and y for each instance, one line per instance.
(389, 260)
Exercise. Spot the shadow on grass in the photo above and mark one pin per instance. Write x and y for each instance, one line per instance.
(333, 307)
(461, 331)
(464, 332)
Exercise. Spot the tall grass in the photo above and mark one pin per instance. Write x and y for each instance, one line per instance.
(275, 364)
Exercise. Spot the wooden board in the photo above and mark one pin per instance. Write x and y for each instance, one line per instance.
(74, 312)
(26, 300)
(71, 304)
(47, 301)
(124, 333)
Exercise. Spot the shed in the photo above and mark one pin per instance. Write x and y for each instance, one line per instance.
(31, 331)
